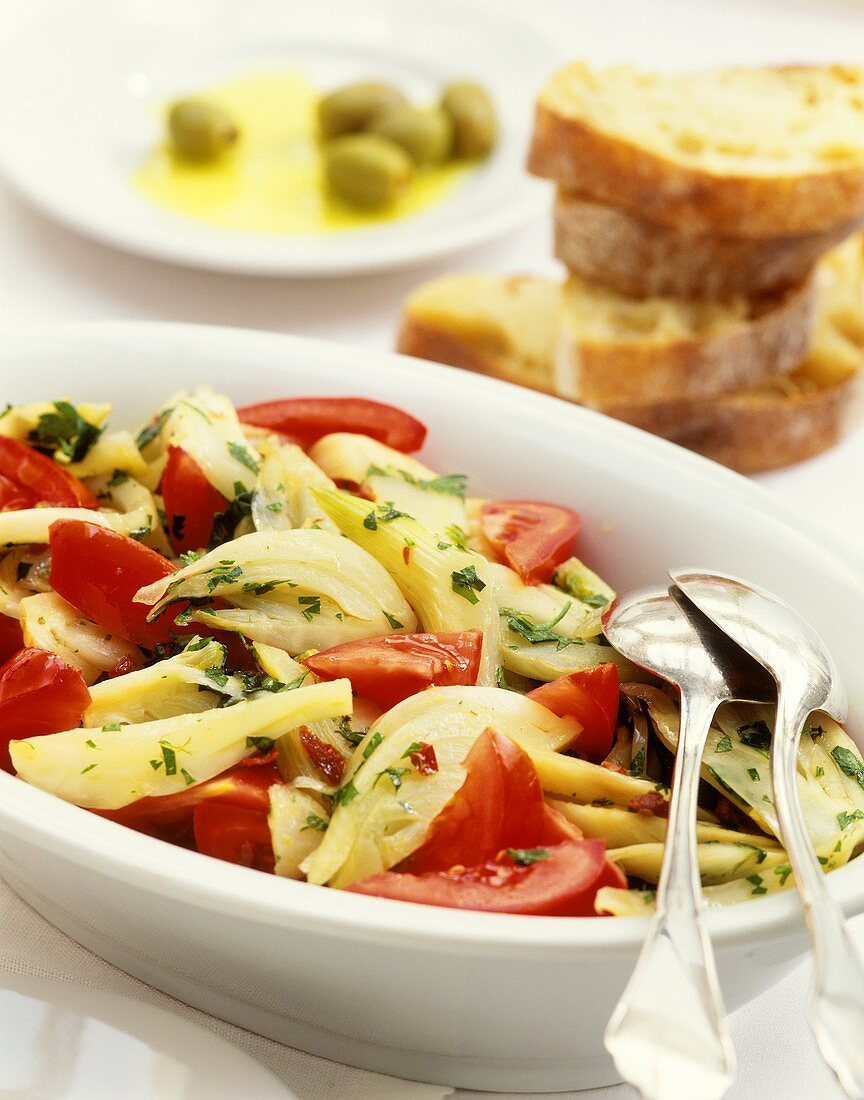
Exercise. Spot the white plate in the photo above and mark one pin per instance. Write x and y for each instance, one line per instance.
(80, 85)
(63, 1041)
(462, 998)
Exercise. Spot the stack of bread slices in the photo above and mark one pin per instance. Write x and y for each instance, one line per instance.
(710, 225)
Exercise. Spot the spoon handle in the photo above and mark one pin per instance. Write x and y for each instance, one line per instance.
(837, 1001)
(668, 1035)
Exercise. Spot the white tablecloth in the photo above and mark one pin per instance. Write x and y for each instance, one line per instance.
(49, 273)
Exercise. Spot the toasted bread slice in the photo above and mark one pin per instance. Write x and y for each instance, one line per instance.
(648, 350)
(608, 245)
(734, 152)
(783, 421)
(504, 327)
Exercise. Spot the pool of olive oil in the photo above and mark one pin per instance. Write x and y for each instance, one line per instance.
(271, 181)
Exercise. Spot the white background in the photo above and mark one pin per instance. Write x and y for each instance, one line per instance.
(50, 273)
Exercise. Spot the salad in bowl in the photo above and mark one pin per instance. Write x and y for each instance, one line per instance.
(273, 636)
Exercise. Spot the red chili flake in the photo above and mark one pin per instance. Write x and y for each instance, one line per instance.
(424, 759)
(651, 804)
(611, 766)
(124, 665)
(354, 487)
(328, 760)
(406, 554)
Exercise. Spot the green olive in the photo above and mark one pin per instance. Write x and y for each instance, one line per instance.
(475, 124)
(351, 108)
(425, 133)
(200, 130)
(367, 170)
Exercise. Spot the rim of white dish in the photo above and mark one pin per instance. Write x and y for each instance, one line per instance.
(144, 862)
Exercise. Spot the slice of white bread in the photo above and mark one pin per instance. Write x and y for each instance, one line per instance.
(648, 350)
(608, 245)
(743, 152)
(503, 327)
(476, 322)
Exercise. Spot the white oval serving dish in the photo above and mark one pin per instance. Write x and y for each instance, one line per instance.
(468, 999)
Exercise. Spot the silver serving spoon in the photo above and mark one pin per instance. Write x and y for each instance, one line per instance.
(668, 1033)
(807, 680)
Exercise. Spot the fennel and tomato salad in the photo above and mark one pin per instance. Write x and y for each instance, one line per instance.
(274, 636)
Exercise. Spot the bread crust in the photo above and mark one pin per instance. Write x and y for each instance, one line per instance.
(639, 258)
(771, 342)
(756, 432)
(613, 170)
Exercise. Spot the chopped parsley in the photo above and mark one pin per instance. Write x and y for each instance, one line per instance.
(260, 588)
(169, 758)
(191, 556)
(187, 778)
(637, 764)
(244, 456)
(758, 888)
(311, 606)
(118, 478)
(374, 741)
(467, 584)
(224, 573)
(395, 776)
(225, 523)
(724, 744)
(313, 821)
(352, 736)
(849, 763)
(216, 676)
(453, 484)
(260, 744)
(524, 857)
(536, 633)
(393, 621)
(382, 513)
(148, 434)
(65, 430)
(345, 794)
(89, 768)
(113, 727)
(783, 872)
(754, 775)
(844, 819)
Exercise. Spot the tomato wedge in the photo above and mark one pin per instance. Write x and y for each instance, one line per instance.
(11, 637)
(500, 805)
(307, 419)
(234, 834)
(39, 694)
(531, 537)
(190, 502)
(591, 697)
(170, 817)
(547, 882)
(99, 571)
(28, 478)
(389, 669)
